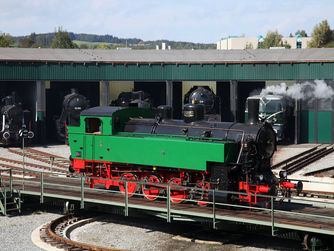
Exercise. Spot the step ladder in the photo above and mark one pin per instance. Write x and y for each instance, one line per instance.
(10, 200)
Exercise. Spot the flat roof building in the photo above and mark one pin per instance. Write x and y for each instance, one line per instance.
(241, 43)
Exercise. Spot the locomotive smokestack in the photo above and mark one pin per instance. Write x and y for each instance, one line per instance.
(253, 110)
(165, 112)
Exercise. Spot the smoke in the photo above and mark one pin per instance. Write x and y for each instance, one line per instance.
(305, 91)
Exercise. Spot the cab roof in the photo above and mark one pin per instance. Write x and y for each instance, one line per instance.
(101, 111)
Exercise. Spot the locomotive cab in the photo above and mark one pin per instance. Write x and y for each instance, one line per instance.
(278, 111)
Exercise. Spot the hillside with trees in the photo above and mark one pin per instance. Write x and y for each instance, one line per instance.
(92, 41)
(322, 37)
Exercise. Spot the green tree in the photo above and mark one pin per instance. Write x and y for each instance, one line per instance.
(27, 43)
(301, 32)
(62, 40)
(249, 46)
(286, 45)
(83, 46)
(321, 35)
(103, 46)
(272, 39)
(6, 40)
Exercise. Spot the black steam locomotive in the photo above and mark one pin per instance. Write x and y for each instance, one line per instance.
(204, 95)
(139, 99)
(135, 146)
(13, 121)
(73, 104)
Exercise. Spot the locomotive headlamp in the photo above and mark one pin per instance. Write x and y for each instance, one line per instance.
(6, 135)
(260, 177)
(283, 175)
(7, 126)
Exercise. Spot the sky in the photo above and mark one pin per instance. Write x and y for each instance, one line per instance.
(200, 21)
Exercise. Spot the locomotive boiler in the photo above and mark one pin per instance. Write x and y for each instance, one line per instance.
(132, 144)
(73, 104)
(13, 120)
(204, 95)
(139, 99)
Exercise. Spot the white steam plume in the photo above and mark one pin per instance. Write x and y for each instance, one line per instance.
(305, 91)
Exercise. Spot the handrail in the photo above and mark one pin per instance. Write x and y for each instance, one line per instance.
(164, 185)
(273, 210)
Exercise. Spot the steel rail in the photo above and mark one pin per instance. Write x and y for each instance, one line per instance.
(54, 234)
(39, 158)
(319, 171)
(308, 159)
(37, 166)
(293, 158)
(48, 155)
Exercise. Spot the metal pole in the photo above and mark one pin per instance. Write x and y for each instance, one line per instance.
(42, 188)
(169, 92)
(272, 216)
(297, 121)
(23, 161)
(11, 182)
(19, 201)
(51, 163)
(5, 202)
(126, 209)
(168, 203)
(214, 209)
(82, 203)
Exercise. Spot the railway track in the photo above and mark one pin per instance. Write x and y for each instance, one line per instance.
(28, 164)
(56, 234)
(320, 171)
(315, 194)
(297, 162)
(56, 161)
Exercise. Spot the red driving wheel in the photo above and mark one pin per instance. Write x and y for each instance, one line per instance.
(177, 195)
(132, 186)
(150, 190)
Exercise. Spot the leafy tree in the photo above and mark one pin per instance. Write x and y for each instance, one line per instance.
(330, 44)
(6, 40)
(83, 46)
(272, 39)
(62, 40)
(286, 45)
(27, 43)
(321, 35)
(103, 46)
(301, 32)
(249, 46)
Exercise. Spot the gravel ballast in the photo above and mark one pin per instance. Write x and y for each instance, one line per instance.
(15, 231)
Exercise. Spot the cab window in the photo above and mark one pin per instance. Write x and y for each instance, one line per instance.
(93, 125)
(273, 106)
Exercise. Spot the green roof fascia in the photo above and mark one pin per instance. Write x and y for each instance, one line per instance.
(162, 72)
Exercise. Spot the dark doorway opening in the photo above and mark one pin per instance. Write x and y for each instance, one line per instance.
(25, 93)
(54, 101)
(157, 90)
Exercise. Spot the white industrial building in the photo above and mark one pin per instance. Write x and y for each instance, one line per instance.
(241, 43)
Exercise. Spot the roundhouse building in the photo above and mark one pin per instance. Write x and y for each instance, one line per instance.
(42, 77)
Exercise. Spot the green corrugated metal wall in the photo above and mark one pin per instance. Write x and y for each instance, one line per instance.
(54, 71)
(307, 127)
(324, 131)
(316, 128)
